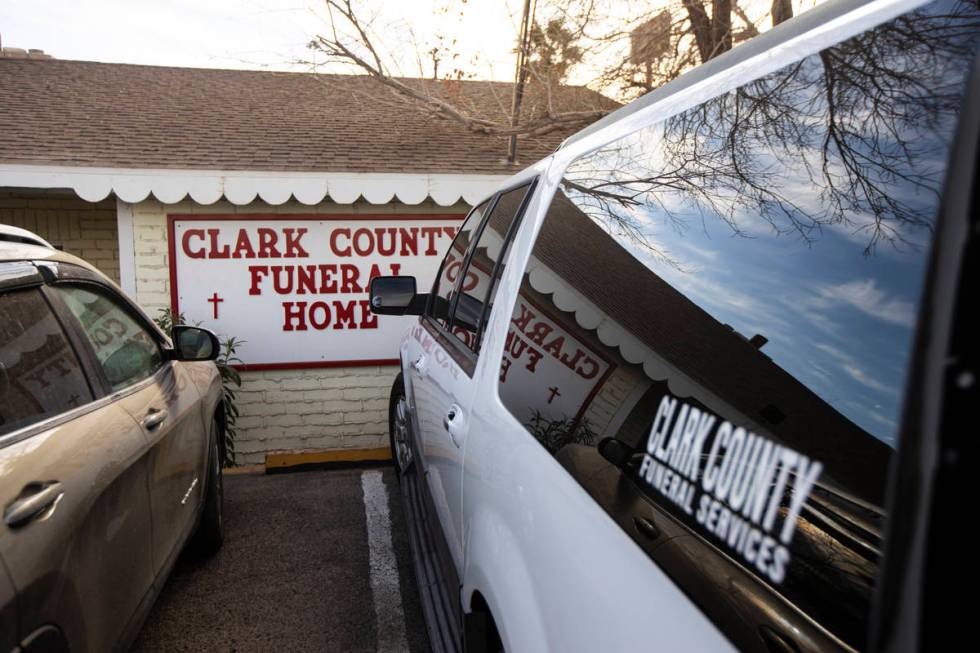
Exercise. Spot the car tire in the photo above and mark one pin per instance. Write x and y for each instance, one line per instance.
(210, 530)
(398, 428)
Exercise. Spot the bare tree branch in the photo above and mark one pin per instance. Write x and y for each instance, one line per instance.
(335, 47)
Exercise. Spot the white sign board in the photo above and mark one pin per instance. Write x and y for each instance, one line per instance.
(295, 288)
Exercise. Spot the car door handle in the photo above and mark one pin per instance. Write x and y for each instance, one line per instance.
(419, 365)
(40, 497)
(153, 419)
(453, 422)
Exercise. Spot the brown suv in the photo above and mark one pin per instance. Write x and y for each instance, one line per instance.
(109, 452)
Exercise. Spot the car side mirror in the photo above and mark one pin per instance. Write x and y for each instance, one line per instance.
(195, 344)
(396, 296)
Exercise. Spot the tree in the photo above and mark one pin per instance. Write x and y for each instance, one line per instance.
(566, 39)
(554, 53)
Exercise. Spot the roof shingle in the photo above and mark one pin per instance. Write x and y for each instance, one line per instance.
(75, 113)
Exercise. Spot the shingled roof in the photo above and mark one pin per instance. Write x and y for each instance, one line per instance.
(56, 112)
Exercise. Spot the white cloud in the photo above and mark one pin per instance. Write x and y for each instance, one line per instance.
(865, 296)
(832, 351)
(853, 369)
(861, 377)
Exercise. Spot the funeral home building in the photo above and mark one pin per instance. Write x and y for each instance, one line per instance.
(258, 204)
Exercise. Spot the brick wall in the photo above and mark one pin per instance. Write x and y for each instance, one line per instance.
(313, 409)
(282, 409)
(85, 229)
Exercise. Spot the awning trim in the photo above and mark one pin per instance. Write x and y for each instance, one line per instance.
(241, 187)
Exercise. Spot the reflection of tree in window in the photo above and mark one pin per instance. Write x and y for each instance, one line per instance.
(853, 136)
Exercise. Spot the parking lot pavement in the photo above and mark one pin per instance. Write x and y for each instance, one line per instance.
(312, 561)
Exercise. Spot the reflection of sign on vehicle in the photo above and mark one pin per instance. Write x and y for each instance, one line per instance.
(34, 377)
(734, 483)
(108, 335)
(554, 372)
(538, 353)
(540, 356)
(295, 288)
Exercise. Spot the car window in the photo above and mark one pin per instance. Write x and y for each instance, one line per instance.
(40, 375)
(491, 247)
(452, 264)
(715, 327)
(127, 351)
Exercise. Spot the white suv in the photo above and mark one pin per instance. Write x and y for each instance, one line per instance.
(655, 396)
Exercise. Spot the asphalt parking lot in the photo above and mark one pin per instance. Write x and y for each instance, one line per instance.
(312, 561)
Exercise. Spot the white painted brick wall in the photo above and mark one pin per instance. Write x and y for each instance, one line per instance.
(287, 410)
(313, 409)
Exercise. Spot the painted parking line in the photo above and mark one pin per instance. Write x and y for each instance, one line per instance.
(388, 613)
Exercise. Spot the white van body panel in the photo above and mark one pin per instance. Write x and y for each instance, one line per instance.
(557, 573)
(555, 570)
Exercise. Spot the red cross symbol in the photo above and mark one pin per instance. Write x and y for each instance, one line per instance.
(554, 393)
(214, 299)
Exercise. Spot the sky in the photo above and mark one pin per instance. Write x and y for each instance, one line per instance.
(273, 34)
(252, 34)
(839, 319)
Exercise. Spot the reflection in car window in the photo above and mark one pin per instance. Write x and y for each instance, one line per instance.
(126, 351)
(40, 375)
(715, 326)
(488, 250)
(449, 269)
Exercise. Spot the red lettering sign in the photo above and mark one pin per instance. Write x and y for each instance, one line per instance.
(295, 288)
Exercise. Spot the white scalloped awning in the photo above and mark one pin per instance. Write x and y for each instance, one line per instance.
(242, 187)
(610, 333)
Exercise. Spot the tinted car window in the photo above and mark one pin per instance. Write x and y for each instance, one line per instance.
(452, 264)
(40, 375)
(715, 326)
(126, 350)
(490, 248)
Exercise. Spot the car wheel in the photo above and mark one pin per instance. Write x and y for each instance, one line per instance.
(210, 531)
(398, 427)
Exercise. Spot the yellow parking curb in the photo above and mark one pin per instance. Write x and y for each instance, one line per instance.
(283, 459)
(244, 469)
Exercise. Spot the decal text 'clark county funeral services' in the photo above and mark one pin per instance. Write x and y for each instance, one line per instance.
(744, 489)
